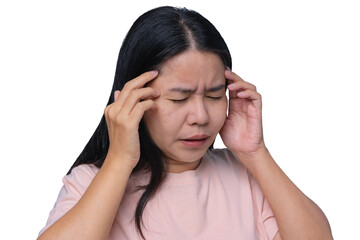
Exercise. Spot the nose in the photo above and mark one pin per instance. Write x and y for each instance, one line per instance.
(198, 112)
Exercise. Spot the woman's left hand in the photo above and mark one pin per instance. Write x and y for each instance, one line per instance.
(242, 131)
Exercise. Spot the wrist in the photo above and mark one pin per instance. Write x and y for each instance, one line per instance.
(252, 160)
(118, 162)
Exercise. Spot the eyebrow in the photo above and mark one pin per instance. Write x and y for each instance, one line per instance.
(186, 90)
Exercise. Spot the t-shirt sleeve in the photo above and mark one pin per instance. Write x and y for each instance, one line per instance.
(75, 185)
(265, 221)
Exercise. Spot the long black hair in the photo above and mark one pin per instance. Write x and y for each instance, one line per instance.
(155, 37)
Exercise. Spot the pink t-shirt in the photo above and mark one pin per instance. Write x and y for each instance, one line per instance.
(218, 200)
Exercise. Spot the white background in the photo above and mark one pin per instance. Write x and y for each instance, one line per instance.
(57, 63)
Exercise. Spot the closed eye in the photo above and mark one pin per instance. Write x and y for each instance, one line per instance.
(179, 100)
(214, 98)
(184, 99)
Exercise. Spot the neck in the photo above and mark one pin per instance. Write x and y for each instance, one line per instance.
(174, 166)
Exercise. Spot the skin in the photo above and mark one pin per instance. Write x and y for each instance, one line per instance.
(178, 115)
(296, 215)
(241, 131)
(93, 215)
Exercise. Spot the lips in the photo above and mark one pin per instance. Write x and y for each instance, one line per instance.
(195, 141)
(197, 137)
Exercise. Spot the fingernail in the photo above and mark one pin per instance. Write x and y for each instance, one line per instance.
(228, 68)
(241, 94)
(232, 86)
(228, 71)
(154, 72)
(116, 94)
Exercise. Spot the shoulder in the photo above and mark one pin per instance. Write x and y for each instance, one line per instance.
(235, 173)
(81, 175)
(224, 152)
(224, 156)
(224, 162)
(75, 184)
(84, 170)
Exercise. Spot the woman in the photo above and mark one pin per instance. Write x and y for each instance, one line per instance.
(150, 171)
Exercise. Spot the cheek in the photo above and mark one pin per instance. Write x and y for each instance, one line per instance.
(171, 117)
(219, 114)
(163, 120)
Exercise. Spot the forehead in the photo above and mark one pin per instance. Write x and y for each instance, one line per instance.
(191, 69)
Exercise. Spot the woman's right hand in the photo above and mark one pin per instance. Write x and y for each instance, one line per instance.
(108, 185)
(124, 115)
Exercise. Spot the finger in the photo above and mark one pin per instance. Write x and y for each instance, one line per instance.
(116, 94)
(249, 94)
(139, 81)
(241, 85)
(234, 78)
(137, 95)
(136, 83)
(138, 112)
(231, 75)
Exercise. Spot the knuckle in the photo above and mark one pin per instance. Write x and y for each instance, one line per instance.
(149, 104)
(145, 105)
(107, 110)
(111, 114)
(149, 91)
(126, 86)
(142, 92)
(141, 107)
(134, 95)
(138, 93)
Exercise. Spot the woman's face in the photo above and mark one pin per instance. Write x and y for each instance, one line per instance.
(191, 109)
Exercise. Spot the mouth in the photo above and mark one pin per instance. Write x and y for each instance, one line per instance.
(195, 141)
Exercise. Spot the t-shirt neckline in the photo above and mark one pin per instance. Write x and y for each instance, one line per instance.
(187, 177)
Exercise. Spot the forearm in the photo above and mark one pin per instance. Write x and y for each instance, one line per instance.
(297, 216)
(93, 216)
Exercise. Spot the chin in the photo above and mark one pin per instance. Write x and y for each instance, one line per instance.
(194, 155)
